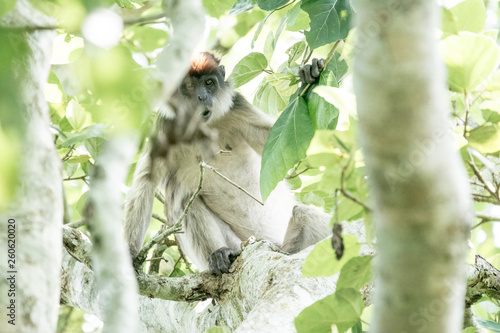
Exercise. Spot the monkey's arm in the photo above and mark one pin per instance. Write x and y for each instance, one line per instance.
(253, 124)
(140, 198)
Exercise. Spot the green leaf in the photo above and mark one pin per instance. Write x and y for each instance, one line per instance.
(7, 6)
(218, 329)
(471, 330)
(343, 309)
(94, 146)
(357, 328)
(469, 15)
(97, 130)
(324, 115)
(322, 262)
(76, 115)
(286, 145)
(297, 19)
(177, 273)
(295, 51)
(491, 325)
(485, 138)
(273, 94)
(340, 98)
(470, 59)
(269, 46)
(217, 8)
(330, 21)
(78, 159)
(356, 273)
(271, 4)
(147, 38)
(241, 6)
(248, 68)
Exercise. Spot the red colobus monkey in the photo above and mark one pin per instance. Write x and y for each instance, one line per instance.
(222, 216)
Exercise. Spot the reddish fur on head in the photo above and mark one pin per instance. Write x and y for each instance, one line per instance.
(203, 63)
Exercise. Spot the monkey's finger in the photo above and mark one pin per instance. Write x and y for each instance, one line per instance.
(302, 76)
(307, 74)
(314, 68)
(321, 64)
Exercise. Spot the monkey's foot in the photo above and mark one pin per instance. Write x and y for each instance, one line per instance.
(220, 261)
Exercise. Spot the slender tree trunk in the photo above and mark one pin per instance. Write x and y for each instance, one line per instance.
(37, 210)
(422, 205)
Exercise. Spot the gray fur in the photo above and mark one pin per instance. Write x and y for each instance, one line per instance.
(222, 215)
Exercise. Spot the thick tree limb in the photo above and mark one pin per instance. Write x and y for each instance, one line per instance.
(264, 290)
(422, 206)
(37, 208)
(110, 255)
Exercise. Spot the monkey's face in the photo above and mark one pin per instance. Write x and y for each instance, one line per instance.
(204, 89)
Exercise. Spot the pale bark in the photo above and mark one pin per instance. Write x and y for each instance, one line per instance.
(264, 293)
(111, 259)
(422, 208)
(38, 205)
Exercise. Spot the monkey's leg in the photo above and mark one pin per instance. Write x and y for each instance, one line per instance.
(307, 226)
(207, 240)
(139, 200)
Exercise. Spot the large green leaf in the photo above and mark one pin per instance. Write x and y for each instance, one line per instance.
(356, 273)
(340, 98)
(343, 309)
(274, 93)
(491, 325)
(241, 6)
(271, 4)
(322, 262)
(485, 138)
(469, 15)
(6, 6)
(93, 131)
(470, 59)
(248, 68)
(330, 21)
(286, 145)
(324, 115)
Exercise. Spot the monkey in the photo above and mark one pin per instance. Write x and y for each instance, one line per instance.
(221, 216)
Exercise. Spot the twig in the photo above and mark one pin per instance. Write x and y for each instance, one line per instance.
(176, 228)
(467, 110)
(77, 223)
(346, 193)
(186, 262)
(75, 178)
(484, 219)
(159, 218)
(481, 179)
(231, 182)
(296, 174)
(68, 154)
(160, 197)
(328, 58)
(145, 19)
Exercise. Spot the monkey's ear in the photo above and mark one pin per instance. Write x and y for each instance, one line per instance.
(222, 70)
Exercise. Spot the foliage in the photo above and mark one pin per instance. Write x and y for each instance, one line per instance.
(94, 90)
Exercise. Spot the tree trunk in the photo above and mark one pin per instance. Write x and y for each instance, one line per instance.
(421, 198)
(37, 210)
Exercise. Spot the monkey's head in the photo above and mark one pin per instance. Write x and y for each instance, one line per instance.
(205, 83)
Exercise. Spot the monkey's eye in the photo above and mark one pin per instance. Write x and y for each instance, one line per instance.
(209, 82)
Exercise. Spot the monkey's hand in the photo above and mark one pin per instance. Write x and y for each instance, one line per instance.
(310, 73)
(220, 261)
